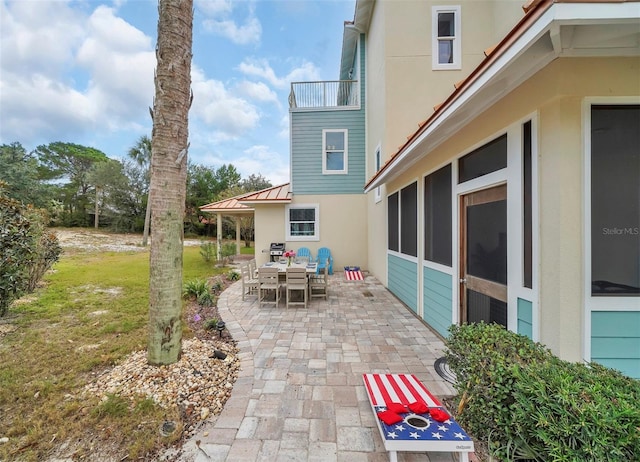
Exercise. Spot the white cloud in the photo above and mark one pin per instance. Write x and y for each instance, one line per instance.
(222, 21)
(284, 127)
(262, 160)
(229, 115)
(65, 74)
(257, 91)
(262, 69)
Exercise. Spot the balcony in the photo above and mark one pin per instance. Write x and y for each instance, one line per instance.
(333, 94)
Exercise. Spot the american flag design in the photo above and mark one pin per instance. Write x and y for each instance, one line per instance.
(416, 432)
(353, 275)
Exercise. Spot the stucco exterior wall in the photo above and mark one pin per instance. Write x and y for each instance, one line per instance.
(343, 228)
(554, 98)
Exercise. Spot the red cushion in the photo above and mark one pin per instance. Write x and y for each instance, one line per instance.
(418, 407)
(438, 415)
(389, 417)
(398, 408)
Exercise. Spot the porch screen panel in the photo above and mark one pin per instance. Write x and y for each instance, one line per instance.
(409, 220)
(486, 159)
(615, 200)
(392, 222)
(437, 216)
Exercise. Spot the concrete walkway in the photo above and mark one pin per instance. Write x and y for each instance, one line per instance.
(300, 396)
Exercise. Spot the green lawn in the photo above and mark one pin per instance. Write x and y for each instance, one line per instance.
(91, 312)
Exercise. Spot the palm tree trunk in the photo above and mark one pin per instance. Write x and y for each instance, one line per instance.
(169, 143)
(147, 219)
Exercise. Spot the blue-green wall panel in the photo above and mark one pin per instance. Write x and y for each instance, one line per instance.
(615, 340)
(403, 280)
(437, 300)
(306, 146)
(525, 318)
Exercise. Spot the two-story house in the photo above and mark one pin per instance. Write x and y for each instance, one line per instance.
(481, 159)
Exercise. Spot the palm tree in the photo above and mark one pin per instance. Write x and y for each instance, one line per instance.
(141, 154)
(169, 144)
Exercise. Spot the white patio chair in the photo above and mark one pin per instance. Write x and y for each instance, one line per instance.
(296, 281)
(249, 282)
(318, 283)
(268, 281)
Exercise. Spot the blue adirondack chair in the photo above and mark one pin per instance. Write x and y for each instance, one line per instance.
(324, 258)
(304, 252)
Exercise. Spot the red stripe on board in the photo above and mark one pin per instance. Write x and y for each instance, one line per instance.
(383, 389)
(425, 390)
(371, 390)
(354, 275)
(404, 398)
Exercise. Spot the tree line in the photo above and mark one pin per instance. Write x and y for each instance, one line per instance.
(80, 186)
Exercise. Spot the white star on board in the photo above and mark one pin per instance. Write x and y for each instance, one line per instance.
(436, 435)
(459, 435)
(414, 435)
(448, 421)
(392, 435)
(399, 427)
(442, 428)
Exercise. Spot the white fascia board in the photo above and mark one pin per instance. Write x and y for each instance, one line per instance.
(566, 13)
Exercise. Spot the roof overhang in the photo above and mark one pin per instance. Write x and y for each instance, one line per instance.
(550, 30)
(352, 30)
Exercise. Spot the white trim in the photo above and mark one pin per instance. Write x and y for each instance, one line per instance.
(456, 39)
(289, 237)
(377, 159)
(597, 303)
(345, 151)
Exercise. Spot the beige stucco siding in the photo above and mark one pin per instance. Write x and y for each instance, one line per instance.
(554, 97)
(343, 228)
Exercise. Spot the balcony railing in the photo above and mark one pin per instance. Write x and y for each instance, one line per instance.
(327, 94)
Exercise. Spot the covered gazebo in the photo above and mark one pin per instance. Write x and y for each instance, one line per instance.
(228, 207)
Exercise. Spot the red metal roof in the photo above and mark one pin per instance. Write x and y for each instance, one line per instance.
(273, 195)
(230, 205)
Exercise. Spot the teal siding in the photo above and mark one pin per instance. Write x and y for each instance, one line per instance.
(615, 340)
(525, 318)
(437, 300)
(306, 152)
(306, 147)
(403, 280)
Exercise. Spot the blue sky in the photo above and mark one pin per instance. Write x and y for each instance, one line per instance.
(82, 72)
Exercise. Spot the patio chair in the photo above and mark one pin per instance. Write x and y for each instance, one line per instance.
(268, 281)
(324, 258)
(249, 282)
(296, 281)
(253, 268)
(304, 254)
(318, 284)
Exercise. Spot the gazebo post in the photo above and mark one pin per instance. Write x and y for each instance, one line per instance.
(238, 218)
(219, 236)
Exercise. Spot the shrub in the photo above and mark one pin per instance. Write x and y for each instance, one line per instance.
(28, 249)
(233, 275)
(228, 252)
(193, 289)
(208, 251)
(205, 299)
(531, 405)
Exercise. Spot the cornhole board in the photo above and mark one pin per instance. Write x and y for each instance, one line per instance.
(353, 275)
(416, 432)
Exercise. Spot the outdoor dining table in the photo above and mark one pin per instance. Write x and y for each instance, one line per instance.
(311, 267)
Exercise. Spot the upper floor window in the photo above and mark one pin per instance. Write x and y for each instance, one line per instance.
(303, 222)
(446, 41)
(334, 151)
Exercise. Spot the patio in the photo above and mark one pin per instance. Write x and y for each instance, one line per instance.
(300, 395)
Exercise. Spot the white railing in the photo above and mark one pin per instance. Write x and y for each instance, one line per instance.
(326, 94)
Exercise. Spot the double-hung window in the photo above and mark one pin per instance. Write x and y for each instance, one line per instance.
(334, 151)
(446, 41)
(303, 222)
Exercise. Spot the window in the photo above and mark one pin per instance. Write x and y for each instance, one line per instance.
(486, 159)
(615, 208)
(527, 222)
(437, 216)
(392, 222)
(409, 220)
(446, 47)
(303, 223)
(334, 152)
(378, 193)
